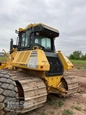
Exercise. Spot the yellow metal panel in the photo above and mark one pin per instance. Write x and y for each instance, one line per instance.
(53, 81)
(16, 57)
(32, 59)
(54, 84)
(25, 57)
(3, 66)
(43, 63)
(21, 57)
(65, 61)
(21, 54)
(38, 61)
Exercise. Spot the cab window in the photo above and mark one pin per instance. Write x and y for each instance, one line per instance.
(43, 41)
(25, 39)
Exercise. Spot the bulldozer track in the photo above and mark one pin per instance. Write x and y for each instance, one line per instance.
(35, 93)
(8, 90)
(34, 89)
(72, 84)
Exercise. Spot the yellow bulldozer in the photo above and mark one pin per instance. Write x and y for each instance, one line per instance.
(33, 70)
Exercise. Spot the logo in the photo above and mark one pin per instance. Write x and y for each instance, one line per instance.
(18, 104)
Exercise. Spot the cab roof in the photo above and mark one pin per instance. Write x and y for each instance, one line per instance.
(41, 25)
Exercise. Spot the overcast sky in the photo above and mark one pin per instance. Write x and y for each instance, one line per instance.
(68, 16)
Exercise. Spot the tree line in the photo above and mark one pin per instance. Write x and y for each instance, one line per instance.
(77, 55)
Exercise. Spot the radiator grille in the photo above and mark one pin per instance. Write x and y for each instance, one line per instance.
(56, 67)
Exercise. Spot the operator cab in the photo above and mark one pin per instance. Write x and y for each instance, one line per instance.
(39, 35)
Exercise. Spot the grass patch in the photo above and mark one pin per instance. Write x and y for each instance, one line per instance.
(78, 68)
(85, 109)
(55, 103)
(67, 112)
(77, 108)
(3, 58)
(52, 112)
(44, 113)
(79, 64)
(78, 61)
(58, 103)
(82, 67)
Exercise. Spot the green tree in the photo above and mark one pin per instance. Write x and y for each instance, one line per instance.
(71, 56)
(83, 57)
(76, 55)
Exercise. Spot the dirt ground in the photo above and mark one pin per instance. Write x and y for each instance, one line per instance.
(72, 105)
